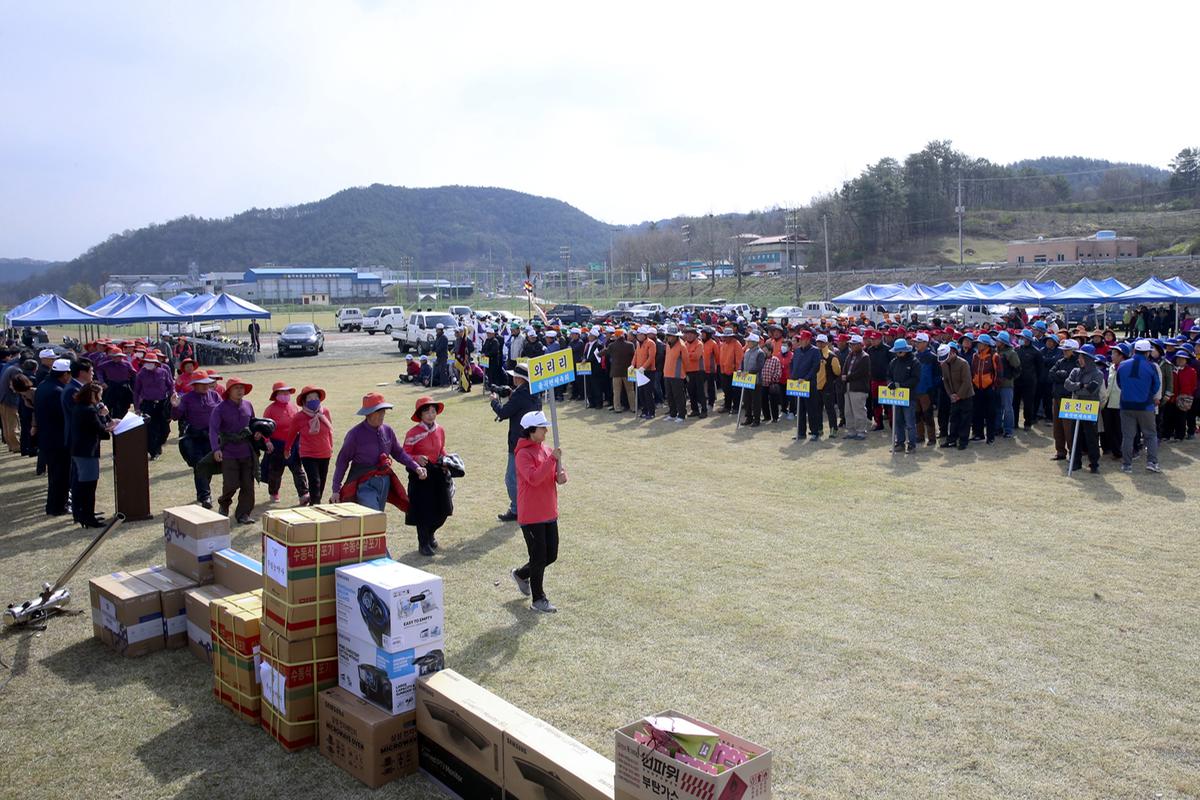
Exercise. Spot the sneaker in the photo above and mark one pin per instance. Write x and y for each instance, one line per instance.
(1127, 469)
(1093, 468)
(245, 519)
(910, 447)
(223, 510)
(816, 437)
(205, 502)
(425, 550)
(947, 443)
(897, 448)
(1152, 466)
(1008, 436)
(275, 498)
(507, 516)
(522, 584)
(544, 606)
(304, 498)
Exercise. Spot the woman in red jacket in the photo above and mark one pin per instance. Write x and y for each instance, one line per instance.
(539, 473)
(430, 501)
(313, 426)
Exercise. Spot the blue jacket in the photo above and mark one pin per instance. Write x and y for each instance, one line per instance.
(805, 361)
(1140, 381)
(931, 373)
(48, 413)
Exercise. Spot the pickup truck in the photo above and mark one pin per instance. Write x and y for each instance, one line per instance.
(648, 312)
(418, 331)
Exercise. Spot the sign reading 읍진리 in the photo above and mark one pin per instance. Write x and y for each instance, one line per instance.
(798, 388)
(550, 370)
(893, 397)
(1083, 410)
(744, 380)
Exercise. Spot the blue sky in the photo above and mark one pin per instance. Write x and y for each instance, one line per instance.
(118, 115)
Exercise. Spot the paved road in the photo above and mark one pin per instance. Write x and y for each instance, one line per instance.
(342, 347)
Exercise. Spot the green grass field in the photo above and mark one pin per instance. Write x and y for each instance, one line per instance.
(954, 625)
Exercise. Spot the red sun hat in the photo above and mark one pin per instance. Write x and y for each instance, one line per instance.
(426, 400)
(235, 381)
(305, 392)
(281, 386)
(373, 402)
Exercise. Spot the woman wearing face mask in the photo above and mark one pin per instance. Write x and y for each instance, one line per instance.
(429, 500)
(314, 428)
(285, 442)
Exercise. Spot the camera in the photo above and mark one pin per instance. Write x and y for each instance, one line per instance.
(503, 392)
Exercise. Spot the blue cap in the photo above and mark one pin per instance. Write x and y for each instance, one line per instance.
(1027, 334)
(985, 339)
(900, 346)
(955, 345)
(1089, 350)
(1040, 324)
(1125, 349)
(967, 335)
(1004, 337)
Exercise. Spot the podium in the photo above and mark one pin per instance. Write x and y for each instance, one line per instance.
(131, 473)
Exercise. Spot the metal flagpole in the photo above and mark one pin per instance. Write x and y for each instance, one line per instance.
(741, 408)
(553, 415)
(1074, 442)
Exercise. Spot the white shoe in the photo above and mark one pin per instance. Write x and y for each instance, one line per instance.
(544, 606)
(522, 584)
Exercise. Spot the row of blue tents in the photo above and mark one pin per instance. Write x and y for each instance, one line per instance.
(1051, 293)
(120, 308)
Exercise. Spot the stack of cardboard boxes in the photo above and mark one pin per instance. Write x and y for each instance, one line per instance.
(301, 549)
(236, 636)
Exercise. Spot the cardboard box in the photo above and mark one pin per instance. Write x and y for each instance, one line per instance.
(645, 774)
(193, 533)
(542, 761)
(392, 604)
(355, 520)
(171, 588)
(301, 549)
(370, 744)
(237, 571)
(236, 638)
(126, 614)
(383, 678)
(460, 735)
(199, 631)
(292, 674)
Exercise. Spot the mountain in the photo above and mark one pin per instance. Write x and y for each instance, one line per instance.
(13, 270)
(449, 226)
(1092, 178)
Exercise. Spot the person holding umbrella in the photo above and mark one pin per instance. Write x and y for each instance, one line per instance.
(429, 500)
(539, 474)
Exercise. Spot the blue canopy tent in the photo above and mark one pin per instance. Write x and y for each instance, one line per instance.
(1151, 290)
(103, 301)
(117, 301)
(1024, 292)
(54, 310)
(196, 302)
(995, 287)
(1188, 290)
(942, 287)
(968, 292)
(226, 306)
(28, 305)
(869, 293)
(916, 295)
(1049, 287)
(179, 299)
(1112, 285)
(1084, 291)
(143, 308)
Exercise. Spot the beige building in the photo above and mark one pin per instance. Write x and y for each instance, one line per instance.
(1101, 246)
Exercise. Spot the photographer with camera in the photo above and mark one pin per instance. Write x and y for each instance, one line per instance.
(1085, 383)
(519, 403)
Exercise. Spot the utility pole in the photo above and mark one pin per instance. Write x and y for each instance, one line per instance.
(958, 209)
(791, 227)
(564, 253)
(687, 261)
(825, 227)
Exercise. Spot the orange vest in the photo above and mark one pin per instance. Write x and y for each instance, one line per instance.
(643, 357)
(693, 356)
(731, 356)
(673, 366)
(712, 355)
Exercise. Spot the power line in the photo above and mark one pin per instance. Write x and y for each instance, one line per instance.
(1043, 175)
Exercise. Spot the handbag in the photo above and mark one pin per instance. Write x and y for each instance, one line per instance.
(1184, 402)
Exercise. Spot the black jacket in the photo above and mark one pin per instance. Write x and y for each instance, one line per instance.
(905, 372)
(1059, 372)
(48, 415)
(520, 403)
(1047, 359)
(1031, 364)
(880, 358)
(441, 346)
(856, 372)
(87, 429)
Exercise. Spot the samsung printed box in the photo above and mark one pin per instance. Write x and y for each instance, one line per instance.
(383, 678)
(126, 614)
(396, 606)
(171, 589)
(542, 761)
(192, 534)
(643, 773)
(460, 735)
(197, 604)
(372, 745)
(237, 571)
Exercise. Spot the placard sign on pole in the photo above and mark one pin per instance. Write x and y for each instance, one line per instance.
(584, 368)
(483, 361)
(798, 388)
(1080, 411)
(743, 381)
(631, 375)
(548, 371)
(893, 397)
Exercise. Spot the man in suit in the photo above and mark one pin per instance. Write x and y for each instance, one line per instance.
(52, 446)
(578, 388)
(81, 375)
(593, 353)
(620, 357)
(255, 330)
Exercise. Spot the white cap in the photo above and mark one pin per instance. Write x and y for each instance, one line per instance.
(528, 329)
(822, 338)
(609, 329)
(61, 365)
(535, 419)
(595, 331)
(856, 339)
(1141, 345)
(922, 337)
(652, 331)
(1071, 344)
(551, 333)
(943, 351)
(408, 357)
(440, 327)
(643, 330)
(753, 337)
(576, 330)
(48, 353)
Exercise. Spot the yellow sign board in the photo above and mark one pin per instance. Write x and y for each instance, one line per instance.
(893, 397)
(1085, 410)
(745, 380)
(798, 388)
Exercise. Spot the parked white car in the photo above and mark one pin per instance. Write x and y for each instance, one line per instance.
(419, 330)
(981, 314)
(873, 313)
(814, 311)
(742, 310)
(383, 319)
(349, 319)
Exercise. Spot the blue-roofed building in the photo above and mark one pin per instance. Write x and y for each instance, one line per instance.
(311, 284)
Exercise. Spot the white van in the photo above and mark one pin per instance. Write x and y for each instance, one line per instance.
(742, 310)
(814, 311)
(980, 315)
(383, 319)
(349, 319)
(871, 312)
